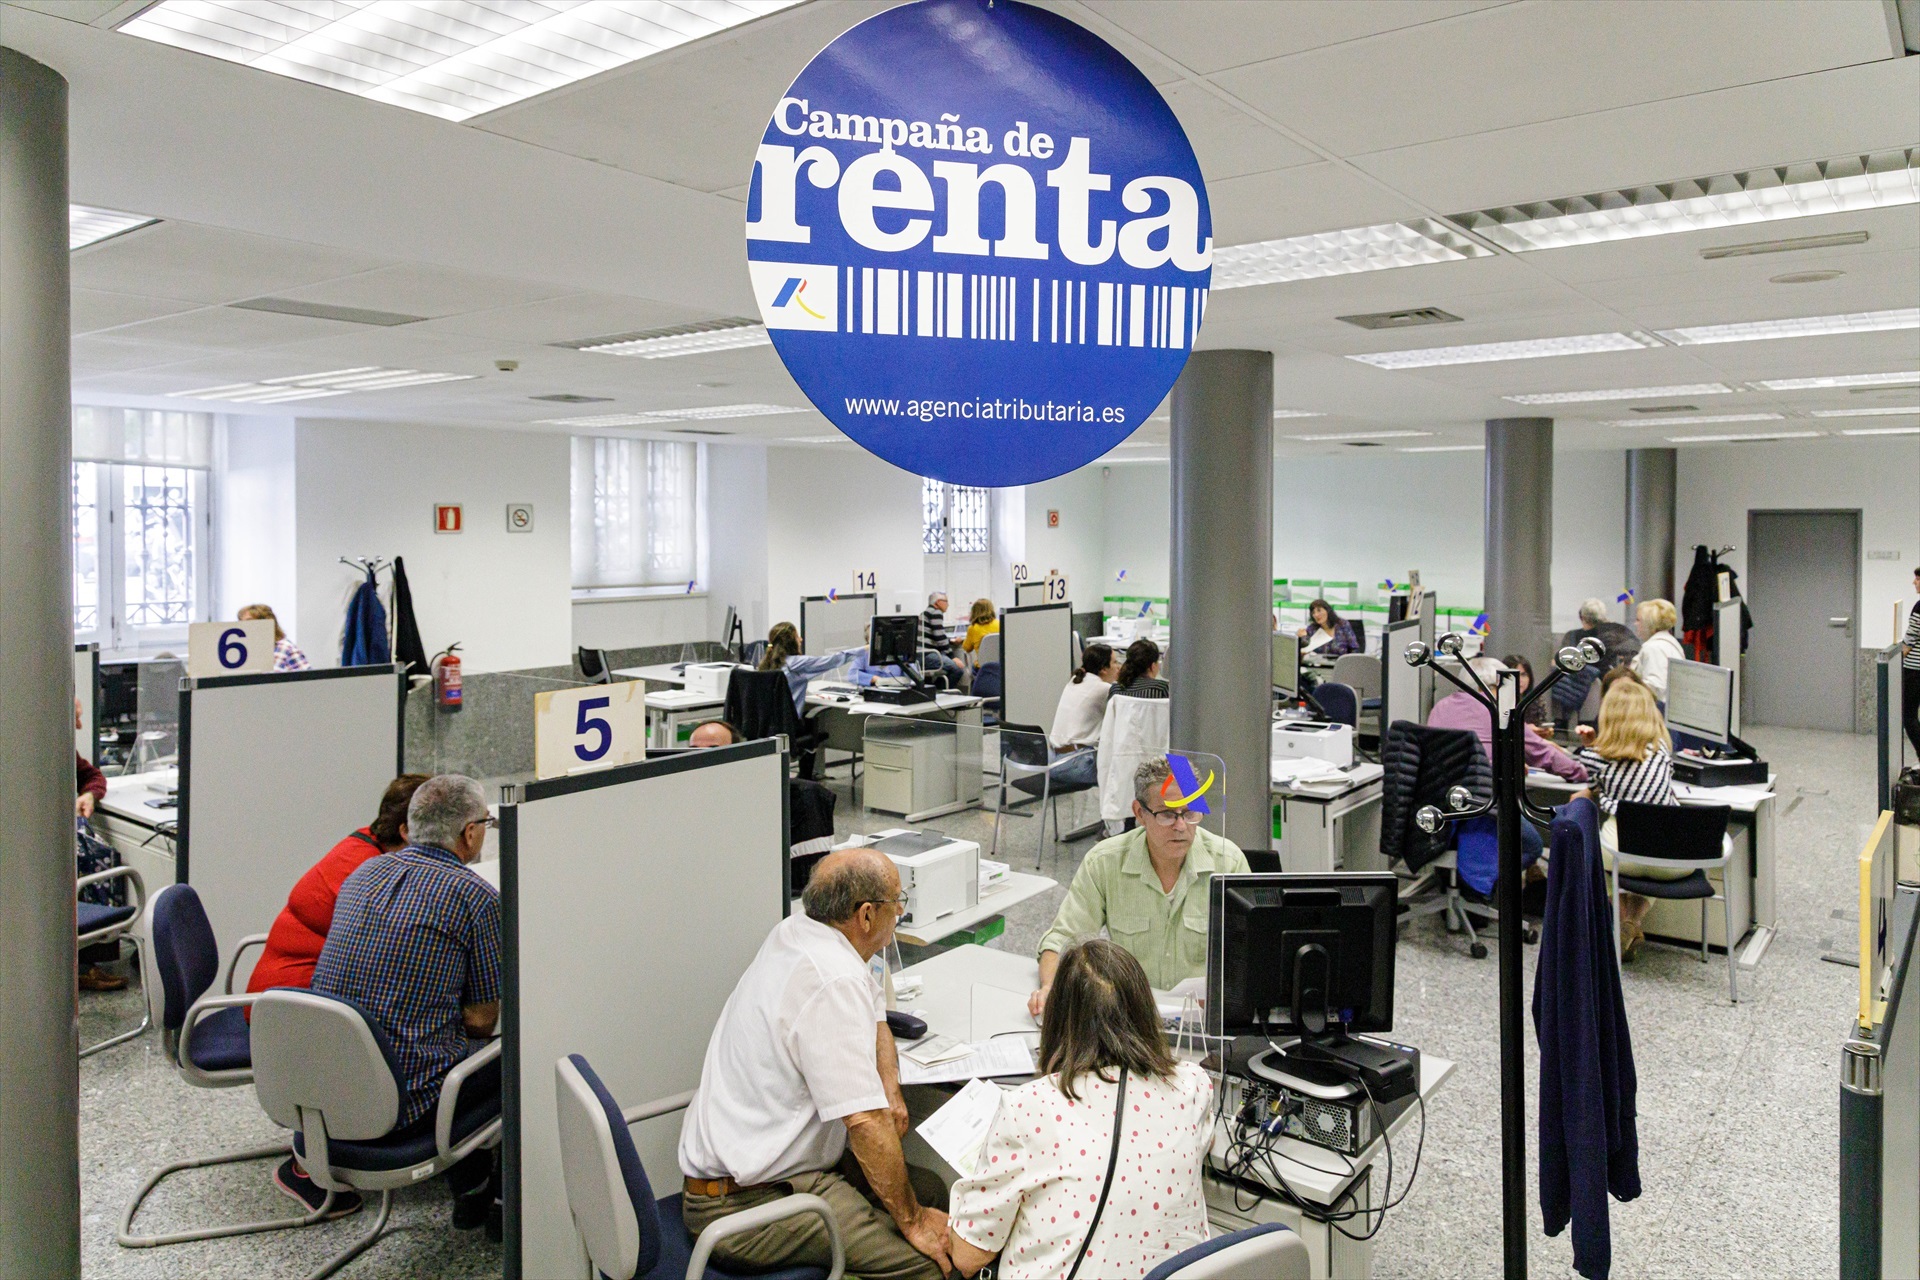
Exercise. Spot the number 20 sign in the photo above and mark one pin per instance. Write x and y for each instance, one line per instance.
(229, 648)
(590, 728)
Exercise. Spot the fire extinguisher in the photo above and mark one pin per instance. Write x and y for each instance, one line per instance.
(446, 679)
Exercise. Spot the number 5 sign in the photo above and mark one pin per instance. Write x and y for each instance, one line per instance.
(229, 648)
(590, 728)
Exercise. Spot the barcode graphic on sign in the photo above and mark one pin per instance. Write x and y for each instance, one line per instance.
(993, 308)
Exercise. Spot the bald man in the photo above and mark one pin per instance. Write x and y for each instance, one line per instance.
(800, 1092)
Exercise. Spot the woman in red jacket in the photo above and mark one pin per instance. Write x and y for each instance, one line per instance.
(300, 930)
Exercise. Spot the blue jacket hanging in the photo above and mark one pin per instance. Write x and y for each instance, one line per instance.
(365, 640)
(1589, 1145)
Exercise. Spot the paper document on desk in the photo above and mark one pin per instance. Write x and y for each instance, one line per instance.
(1722, 795)
(1007, 1056)
(934, 1050)
(957, 1132)
(993, 1011)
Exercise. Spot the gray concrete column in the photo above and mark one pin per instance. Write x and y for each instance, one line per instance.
(1519, 533)
(1222, 663)
(39, 1072)
(1651, 477)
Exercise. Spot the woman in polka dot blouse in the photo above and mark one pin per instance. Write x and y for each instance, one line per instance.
(1046, 1153)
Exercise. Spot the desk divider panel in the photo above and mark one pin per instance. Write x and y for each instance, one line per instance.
(1036, 661)
(632, 899)
(86, 688)
(1400, 693)
(274, 769)
(836, 623)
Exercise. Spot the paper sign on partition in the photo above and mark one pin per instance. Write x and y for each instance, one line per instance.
(590, 728)
(229, 648)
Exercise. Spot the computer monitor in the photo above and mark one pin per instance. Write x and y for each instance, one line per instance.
(895, 640)
(1286, 664)
(1305, 955)
(119, 691)
(1700, 701)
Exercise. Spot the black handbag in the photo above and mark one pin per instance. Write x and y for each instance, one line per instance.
(1113, 1160)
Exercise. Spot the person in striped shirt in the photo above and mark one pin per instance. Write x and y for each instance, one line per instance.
(1630, 757)
(1910, 671)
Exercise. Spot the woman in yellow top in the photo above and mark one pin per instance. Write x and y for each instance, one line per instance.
(982, 622)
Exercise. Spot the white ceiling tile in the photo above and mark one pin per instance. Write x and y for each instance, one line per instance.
(564, 319)
(208, 264)
(94, 309)
(1228, 141)
(230, 329)
(1489, 70)
(424, 291)
(1211, 35)
(1298, 201)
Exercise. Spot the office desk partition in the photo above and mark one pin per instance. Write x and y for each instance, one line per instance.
(274, 770)
(632, 899)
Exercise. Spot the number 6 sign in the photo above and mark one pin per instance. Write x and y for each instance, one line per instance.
(229, 648)
(590, 728)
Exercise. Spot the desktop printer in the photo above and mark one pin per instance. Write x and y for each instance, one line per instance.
(1741, 766)
(939, 875)
(708, 678)
(1312, 739)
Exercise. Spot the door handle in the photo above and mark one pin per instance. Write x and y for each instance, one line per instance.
(1839, 622)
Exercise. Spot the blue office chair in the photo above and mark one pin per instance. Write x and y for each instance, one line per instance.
(627, 1233)
(326, 1070)
(987, 684)
(1338, 702)
(103, 922)
(1266, 1252)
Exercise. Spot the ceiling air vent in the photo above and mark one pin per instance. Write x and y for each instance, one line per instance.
(321, 311)
(697, 431)
(1401, 319)
(1665, 408)
(568, 397)
(1836, 240)
(1361, 444)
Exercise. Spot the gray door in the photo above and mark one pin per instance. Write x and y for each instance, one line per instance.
(1803, 585)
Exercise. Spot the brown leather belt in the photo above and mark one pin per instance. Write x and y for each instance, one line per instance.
(718, 1187)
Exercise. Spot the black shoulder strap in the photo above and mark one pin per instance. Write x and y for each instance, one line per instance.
(1113, 1159)
(365, 833)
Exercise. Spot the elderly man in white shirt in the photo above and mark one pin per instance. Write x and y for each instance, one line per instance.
(800, 1092)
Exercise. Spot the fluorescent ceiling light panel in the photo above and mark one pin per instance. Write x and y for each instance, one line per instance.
(316, 386)
(1365, 435)
(1877, 411)
(1339, 253)
(729, 338)
(1622, 393)
(816, 439)
(449, 58)
(87, 225)
(1757, 435)
(1840, 380)
(1444, 448)
(1882, 431)
(1700, 420)
(1578, 344)
(1297, 413)
(653, 417)
(1795, 327)
(1846, 185)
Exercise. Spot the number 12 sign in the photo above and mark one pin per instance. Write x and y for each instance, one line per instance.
(590, 728)
(229, 648)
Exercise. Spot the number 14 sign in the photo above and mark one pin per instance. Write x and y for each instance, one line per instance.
(590, 728)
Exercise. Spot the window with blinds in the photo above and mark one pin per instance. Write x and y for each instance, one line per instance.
(637, 518)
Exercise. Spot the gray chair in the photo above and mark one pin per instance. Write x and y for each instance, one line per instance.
(989, 650)
(326, 1070)
(205, 1038)
(1266, 1252)
(594, 667)
(1359, 672)
(1673, 838)
(1026, 756)
(98, 923)
(628, 1233)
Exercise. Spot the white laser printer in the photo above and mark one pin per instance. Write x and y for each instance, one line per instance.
(939, 875)
(1313, 739)
(708, 678)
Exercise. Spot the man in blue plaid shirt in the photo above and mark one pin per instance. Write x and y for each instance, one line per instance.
(415, 942)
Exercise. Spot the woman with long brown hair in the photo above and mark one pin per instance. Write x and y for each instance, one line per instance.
(1094, 1165)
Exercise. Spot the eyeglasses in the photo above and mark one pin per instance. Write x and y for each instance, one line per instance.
(490, 823)
(1168, 817)
(900, 902)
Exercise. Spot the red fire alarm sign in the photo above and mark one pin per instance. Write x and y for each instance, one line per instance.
(446, 517)
(1053, 518)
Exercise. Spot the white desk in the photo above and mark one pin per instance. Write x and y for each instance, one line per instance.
(847, 698)
(135, 828)
(946, 1003)
(1010, 892)
(1324, 829)
(659, 674)
(953, 778)
(1755, 811)
(673, 713)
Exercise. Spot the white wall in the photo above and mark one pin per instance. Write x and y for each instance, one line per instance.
(1136, 529)
(255, 510)
(630, 621)
(369, 489)
(737, 538)
(1878, 476)
(1077, 547)
(832, 511)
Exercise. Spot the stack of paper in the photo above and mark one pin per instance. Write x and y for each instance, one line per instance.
(1007, 1056)
(957, 1132)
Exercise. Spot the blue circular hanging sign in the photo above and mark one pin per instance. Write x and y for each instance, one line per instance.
(979, 239)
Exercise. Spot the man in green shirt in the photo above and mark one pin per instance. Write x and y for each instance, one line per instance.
(1147, 888)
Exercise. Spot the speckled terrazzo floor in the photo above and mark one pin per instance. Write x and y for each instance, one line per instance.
(1738, 1104)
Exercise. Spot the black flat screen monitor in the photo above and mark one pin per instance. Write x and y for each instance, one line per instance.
(896, 640)
(1300, 954)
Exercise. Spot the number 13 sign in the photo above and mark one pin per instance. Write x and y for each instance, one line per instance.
(590, 728)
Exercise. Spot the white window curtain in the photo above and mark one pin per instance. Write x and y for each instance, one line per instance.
(636, 513)
(155, 437)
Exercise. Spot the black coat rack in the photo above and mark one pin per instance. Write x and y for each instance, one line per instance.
(1508, 804)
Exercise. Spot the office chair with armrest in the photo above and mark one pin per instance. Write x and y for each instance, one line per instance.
(326, 1070)
(1670, 837)
(1338, 702)
(1269, 1251)
(1131, 731)
(98, 923)
(1361, 673)
(628, 1234)
(987, 686)
(760, 703)
(205, 1038)
(1027, 763)
(593, 666)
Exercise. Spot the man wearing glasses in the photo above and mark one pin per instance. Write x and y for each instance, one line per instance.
(1146, 887)
(800, 1092)
(415, 943)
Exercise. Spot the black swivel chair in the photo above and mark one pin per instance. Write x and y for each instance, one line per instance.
(1339, 702)
(1359, 632)
(593, 666)
(1672, 838)
(760, 703)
